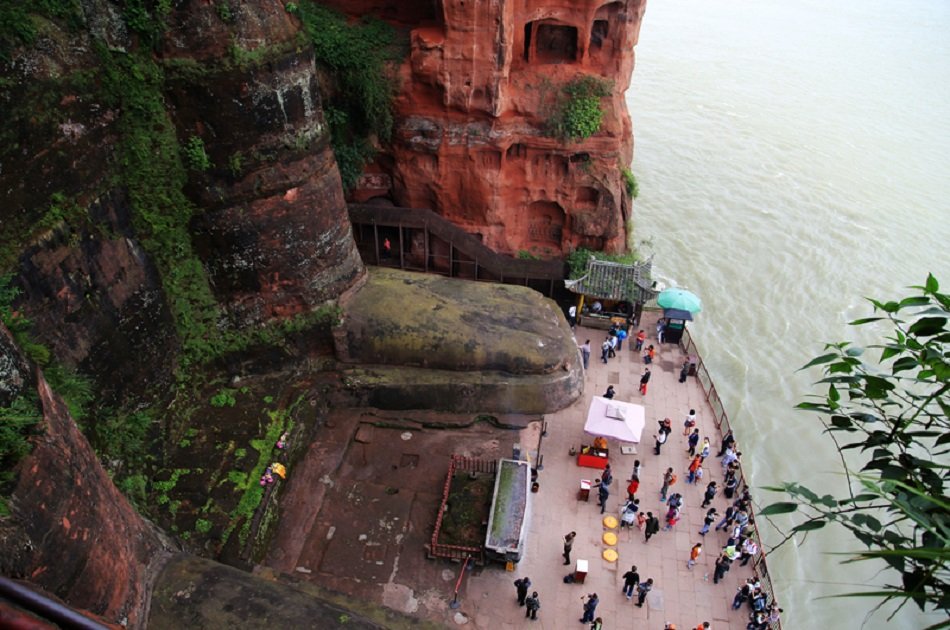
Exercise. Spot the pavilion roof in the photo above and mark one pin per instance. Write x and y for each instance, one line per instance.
(608, 280)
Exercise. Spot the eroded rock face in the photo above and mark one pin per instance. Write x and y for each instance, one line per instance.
(80, 538)
(270, 235)
(429, 342)
(275, 235)
(477, 92)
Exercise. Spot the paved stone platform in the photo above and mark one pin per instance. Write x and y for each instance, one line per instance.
(681, 596)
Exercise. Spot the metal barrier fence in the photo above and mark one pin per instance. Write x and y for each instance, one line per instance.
(436, 549)
(759, 566)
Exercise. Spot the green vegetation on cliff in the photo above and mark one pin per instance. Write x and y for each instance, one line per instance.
(579, 259)
(358, 57)
(577, 113)
(151, 169)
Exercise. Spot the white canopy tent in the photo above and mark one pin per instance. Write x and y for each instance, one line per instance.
(616, 419)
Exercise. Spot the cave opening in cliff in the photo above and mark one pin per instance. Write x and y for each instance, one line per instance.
(603, 39)
(553, 42)
(598, 34)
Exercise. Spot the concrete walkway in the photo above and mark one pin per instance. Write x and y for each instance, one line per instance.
(681, 596)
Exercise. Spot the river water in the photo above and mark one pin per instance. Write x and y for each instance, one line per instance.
(793, 158)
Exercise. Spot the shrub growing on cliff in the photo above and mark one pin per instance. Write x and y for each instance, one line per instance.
(893, 415)
(630, 182)
(577, 112)
(579, 259)
(359, 57)
(195, 154)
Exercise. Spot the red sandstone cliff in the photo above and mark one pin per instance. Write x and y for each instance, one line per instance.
(476, 93)
(267, 236)
(71, 531)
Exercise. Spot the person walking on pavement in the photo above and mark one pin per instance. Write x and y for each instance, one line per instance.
(660, 440)
(652, 527)
(633, 487)
(585, 353)
(589, 607)
(568, 544)
(711, 490)
(522, 587)
(694, 555)
(597, 624)
(710, 517)
(533, 605)
(641, 337)
(602, 495)
(644, 380)
(669, 478)
(722, 566)
(692, 442)
(630, 581)
(642, 590)
(605, 350)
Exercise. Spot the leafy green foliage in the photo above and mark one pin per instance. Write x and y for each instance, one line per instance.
(16, 27)
(252, 492)
(577, 113)
(358, 57)
(17, 423)
(630, 183)
(147, 18)
(892, 417)
(224, 398)
(151, 170)
(121, 440)
(195, 154)
(75, 389)
(224, 11)
(19, 325)
(579, 259)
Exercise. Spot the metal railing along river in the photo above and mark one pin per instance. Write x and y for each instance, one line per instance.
(759, 566)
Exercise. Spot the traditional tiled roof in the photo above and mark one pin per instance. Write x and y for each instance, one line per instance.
(607, 280)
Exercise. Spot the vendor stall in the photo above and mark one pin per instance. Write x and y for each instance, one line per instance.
(592, 457)
(607, 418)
(612, 293)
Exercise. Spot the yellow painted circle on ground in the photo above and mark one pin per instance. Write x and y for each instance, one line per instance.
(611, 555)
(610, 538)
(610, 522)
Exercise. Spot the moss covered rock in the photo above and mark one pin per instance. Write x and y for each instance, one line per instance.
(427, 341)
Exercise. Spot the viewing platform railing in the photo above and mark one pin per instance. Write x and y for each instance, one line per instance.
(759, 565)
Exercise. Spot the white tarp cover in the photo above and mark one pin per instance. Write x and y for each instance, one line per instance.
(615, 419)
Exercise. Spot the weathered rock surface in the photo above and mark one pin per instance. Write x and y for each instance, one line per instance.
(477, 91)
(274, 234)
(81, 539)
(198, 593)
(426, 341)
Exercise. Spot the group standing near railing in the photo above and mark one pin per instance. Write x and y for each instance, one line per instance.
(759, 566)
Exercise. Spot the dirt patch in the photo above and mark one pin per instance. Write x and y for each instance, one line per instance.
(465, 521)
(359, 514)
